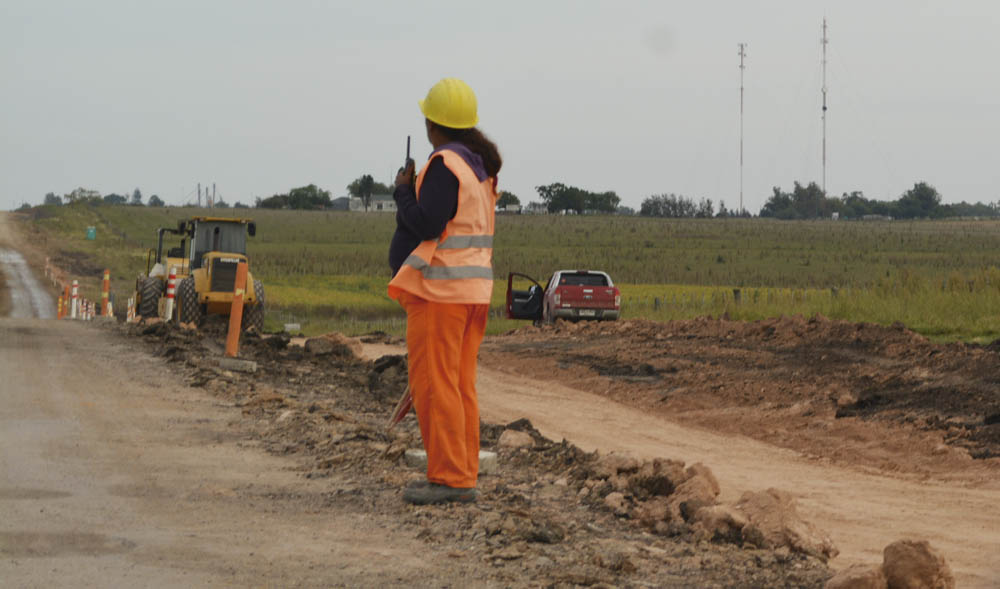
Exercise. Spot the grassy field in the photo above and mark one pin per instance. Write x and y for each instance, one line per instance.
(328, 270)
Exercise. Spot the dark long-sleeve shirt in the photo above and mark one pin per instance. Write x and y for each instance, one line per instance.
(420, 220)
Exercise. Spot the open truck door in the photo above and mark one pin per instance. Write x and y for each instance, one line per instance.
(524, 304)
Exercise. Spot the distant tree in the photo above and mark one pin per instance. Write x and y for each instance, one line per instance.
(278, 201)
(114, 199)
(240, 205)
(308, 197)
(923, 200)
(705, 209)
(136, 198)
(304, 197)
(24, 207)
(82, 195)
(623, 210)
(507, 199)
(605, 202)
(804, 202)
(560, 197)
(854, 205)
(221, 204)
(668, 205)
(156, 201)
(364, 187)
(52, 199)
(723, 211)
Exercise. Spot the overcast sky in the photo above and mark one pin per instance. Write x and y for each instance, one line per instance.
(637, 97)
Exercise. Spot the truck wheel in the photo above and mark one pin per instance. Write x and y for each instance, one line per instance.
(190, 310)
(150, 291)
(253, 315)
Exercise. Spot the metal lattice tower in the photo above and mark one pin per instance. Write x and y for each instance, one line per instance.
(824, 42)
(743, 54)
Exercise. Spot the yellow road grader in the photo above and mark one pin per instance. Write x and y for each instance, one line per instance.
(206, 259)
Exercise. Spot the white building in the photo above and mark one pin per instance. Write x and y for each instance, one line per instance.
(380, 203)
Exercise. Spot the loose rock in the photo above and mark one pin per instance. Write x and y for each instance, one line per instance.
(914, 564)
(512, 440)
(774, 522)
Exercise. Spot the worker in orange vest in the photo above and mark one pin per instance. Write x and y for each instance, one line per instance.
(441, 259)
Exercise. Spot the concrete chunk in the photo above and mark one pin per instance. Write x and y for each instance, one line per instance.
(237, 365)
(417, 458)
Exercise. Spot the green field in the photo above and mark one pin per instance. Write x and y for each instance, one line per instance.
(328, 270)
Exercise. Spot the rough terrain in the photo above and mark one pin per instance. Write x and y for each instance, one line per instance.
(785, 402)
(142, 459)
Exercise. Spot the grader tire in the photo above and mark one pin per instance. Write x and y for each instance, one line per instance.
(149, 297)
(190, 310)
(253, 315)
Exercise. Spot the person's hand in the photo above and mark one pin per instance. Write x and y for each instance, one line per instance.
(405, 175)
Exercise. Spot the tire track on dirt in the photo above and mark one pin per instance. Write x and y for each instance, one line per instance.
(27, 296)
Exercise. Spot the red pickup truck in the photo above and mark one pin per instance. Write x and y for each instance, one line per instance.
(570, 294)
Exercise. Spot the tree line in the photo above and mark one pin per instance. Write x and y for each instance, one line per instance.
(810, 202)
(923, 201)
(802, 202)
(84, 195)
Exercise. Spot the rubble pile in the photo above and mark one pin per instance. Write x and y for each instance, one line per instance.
(552, 515)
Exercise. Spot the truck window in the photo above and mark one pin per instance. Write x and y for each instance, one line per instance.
(583, 279)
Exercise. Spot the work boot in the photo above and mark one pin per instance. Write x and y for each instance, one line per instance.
(433, 493)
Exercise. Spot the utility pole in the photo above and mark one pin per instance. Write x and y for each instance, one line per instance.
(824, 43)
(213, 195)
(743, 54)
(199, 195)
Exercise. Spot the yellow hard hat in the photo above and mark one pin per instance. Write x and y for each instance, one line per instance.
(451, 103)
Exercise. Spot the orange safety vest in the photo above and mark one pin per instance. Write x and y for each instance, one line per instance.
(456, 267)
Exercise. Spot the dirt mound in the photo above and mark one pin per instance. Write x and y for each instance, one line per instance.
(789, 377)
(553, 515)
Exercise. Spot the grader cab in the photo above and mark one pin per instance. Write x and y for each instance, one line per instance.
(205, 263)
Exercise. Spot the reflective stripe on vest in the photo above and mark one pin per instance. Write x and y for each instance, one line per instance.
(447, 272)
(454, 242)
(457, 266)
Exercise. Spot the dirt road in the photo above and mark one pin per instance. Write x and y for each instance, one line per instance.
(862, 512)
(863, 509)
(113, 475)
(24, 294)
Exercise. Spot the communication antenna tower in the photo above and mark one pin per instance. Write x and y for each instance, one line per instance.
(824, 42)
(743, 54)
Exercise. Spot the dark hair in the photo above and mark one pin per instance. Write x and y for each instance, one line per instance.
(477, 143)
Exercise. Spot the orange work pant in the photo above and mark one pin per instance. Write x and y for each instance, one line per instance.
(443, 342)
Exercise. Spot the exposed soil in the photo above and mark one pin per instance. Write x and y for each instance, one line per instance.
(847, 392)
(911, 428)
(542, 518)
